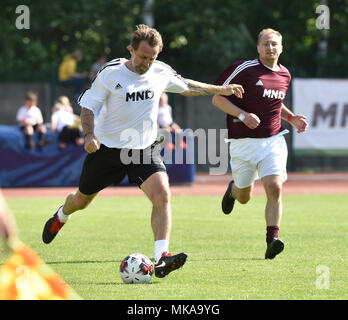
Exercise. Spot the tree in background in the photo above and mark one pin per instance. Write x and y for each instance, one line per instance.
(206, 35)
(200, 36)
(58, 27)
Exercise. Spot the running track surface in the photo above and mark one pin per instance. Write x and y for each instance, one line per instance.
(208, 185)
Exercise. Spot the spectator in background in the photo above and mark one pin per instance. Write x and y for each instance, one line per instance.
(165, 115)
(96, 67)
(29, 118)
(66, 102)
(68, 75)
(67, 125)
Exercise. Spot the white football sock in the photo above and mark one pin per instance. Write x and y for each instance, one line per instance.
(63, 217)
(161, 246)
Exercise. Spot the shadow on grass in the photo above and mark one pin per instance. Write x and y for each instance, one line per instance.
(153, 282)
(189, 260)
(83, 261)
(227, 259)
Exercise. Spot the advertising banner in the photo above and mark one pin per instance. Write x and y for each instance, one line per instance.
(324, 102)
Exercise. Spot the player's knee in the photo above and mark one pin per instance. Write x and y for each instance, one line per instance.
(244, 198)
(274, 189)
(161, 196)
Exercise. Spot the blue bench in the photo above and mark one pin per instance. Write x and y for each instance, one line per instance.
(52, 167)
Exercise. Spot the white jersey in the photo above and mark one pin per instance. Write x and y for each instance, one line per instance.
(128, 117)
(33, 114)
(63, 118)
(165, 117)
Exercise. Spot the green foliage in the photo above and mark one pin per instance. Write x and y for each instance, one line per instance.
(212, 42)
(201, 37)
(57, 28)
(219, 32)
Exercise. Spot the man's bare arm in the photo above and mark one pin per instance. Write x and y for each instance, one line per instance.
(285, 112)
(87, 121)
(196, 88)
(251, 120)
(298, 121)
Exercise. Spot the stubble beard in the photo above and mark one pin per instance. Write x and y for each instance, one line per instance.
(137, 69)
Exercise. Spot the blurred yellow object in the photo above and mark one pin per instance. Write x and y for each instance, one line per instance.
(76, 124)
(24, 276)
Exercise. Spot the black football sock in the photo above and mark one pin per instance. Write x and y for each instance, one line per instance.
(29, 141)
(41, 137)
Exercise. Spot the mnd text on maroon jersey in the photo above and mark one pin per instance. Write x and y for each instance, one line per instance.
(265, 91)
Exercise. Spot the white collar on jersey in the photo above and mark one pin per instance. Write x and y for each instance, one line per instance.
(276, 68)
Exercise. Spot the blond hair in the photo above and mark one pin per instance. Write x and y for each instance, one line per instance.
(150, 35)
(64, 100)
(267, 31)
(58, 106)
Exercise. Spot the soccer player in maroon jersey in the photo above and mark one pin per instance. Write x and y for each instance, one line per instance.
(257, 145)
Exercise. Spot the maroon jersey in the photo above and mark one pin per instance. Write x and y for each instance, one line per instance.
(265, 91)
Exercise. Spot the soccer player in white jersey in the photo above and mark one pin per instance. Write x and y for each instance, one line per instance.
(129, 92)
(255, 134)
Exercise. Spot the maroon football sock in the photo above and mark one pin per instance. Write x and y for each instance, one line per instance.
(272, 232)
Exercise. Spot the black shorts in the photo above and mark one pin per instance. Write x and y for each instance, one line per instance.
(69, 135)
(35, 127)
(109, 166)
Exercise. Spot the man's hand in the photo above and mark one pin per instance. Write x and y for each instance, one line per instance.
(92, 144)
(299, 123)
(251, 120)
(235, 89)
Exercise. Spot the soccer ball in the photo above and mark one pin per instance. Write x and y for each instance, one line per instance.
(136, 268)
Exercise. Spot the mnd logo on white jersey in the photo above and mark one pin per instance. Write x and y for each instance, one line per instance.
(140, 95)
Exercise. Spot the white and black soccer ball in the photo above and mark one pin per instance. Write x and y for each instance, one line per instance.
(136, 268)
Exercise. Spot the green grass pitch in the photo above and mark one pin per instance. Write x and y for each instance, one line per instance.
(226, 253)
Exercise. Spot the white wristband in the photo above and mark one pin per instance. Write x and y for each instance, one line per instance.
(241, 117)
